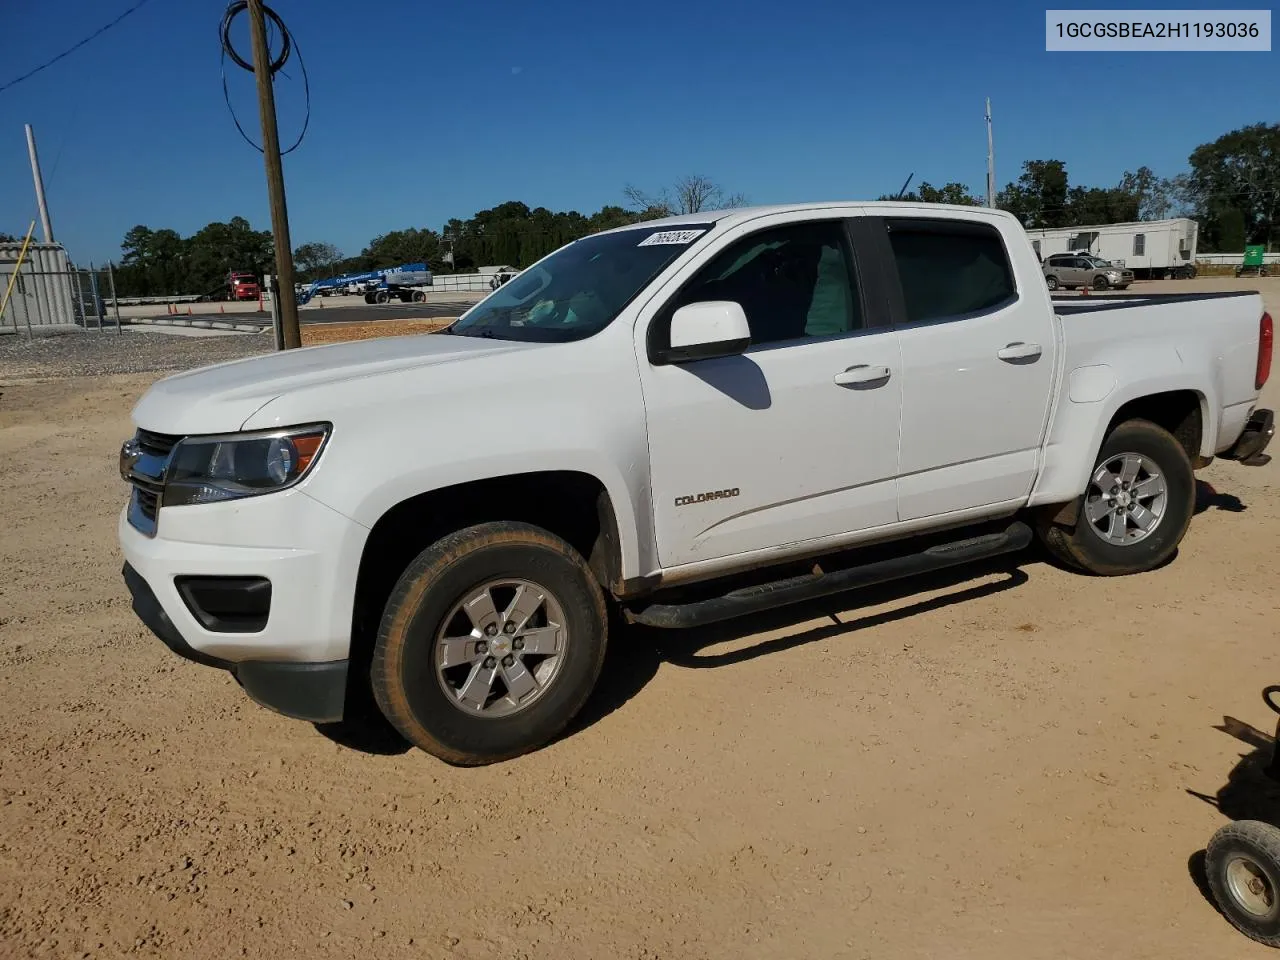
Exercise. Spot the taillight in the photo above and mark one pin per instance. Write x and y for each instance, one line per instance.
(1266, 338)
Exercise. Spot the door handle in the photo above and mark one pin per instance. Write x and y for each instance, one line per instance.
(1019, 352)
(863, 375)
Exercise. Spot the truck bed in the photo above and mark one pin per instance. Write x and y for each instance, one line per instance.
(1067, 305)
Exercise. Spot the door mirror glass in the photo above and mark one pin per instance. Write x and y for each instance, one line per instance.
(701, 331)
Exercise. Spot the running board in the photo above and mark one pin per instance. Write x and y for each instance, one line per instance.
(780, 593)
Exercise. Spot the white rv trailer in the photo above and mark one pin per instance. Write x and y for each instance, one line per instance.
(1153, 250)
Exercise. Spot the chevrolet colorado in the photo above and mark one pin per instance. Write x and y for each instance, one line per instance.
(682, 421)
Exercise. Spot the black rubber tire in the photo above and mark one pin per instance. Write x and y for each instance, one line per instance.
(1258, 843)
(1082, 548)
(419, 297)
(1100, 283)
(1052, 282)
(403, 672)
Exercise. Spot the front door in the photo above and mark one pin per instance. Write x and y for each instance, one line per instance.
(977, 365)
(796, 439)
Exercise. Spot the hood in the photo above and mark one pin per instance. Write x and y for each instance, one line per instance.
(220, 398)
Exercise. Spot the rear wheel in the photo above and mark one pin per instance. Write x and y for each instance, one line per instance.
(419, 297)
(1242, 862)
(490, 644)
(1052, 282)
(1138, 505)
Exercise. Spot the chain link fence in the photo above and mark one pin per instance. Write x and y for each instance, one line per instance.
(47, 294)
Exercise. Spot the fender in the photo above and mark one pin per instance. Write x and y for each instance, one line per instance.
(1091, 397)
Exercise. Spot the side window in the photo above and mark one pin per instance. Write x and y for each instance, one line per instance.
(1139, 244)
(950, 268)
(793, 282)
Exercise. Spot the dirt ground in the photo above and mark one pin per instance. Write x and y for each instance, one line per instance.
(1015, 762)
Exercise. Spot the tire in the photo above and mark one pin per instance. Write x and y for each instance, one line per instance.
(1242, 862)
(381, 297)
(1100, 283)
(423, 700)
(419, 297)
(1131, 549)
(1052, 282)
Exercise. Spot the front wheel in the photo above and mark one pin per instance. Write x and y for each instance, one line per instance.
(1137, 507)
(1242, 862)
(490, 644)
(1100, 283)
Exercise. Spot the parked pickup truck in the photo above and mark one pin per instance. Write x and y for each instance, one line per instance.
(678, 422)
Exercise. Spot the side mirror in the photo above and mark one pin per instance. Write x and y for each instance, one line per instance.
(703, 331)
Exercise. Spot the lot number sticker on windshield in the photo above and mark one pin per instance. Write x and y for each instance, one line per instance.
(671, 236)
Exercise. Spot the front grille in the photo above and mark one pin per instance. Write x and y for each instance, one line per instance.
(148, 503)
(146, 474)
(156, 444)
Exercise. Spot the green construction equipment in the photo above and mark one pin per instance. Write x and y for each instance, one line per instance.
(1254, 263)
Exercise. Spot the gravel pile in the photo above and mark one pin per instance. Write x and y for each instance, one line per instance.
(80, 353)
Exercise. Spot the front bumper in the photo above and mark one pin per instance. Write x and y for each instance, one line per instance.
(289, 648)
(305, 691)
(1254, 439)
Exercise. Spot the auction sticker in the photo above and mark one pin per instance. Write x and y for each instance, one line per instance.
(671, 236)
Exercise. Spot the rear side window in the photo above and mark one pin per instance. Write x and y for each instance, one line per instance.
(950, 268)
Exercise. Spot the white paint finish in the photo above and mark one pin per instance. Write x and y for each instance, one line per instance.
(1208, 347)
(816, 461)
(1092, 383)
(309, 553)
(223, 396)
(715, 321)
(808, 456)
(1232, 425)
(972, 420)
(574, 406)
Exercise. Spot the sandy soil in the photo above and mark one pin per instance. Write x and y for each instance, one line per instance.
(994, 767)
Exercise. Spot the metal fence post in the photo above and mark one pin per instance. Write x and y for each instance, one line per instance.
(93, 289)
(115, 303)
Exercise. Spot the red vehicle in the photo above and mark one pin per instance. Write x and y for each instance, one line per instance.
(242, 286)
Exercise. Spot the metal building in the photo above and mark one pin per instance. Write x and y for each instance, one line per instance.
(48, 292)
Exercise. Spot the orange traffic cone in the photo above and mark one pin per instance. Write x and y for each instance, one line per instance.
(188, 311)
(1084, 291)
(221, 309)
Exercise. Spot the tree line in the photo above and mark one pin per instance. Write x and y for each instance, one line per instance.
(1232, 188)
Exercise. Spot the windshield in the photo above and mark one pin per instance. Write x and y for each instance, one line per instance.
(578, 290)
(1098, 262)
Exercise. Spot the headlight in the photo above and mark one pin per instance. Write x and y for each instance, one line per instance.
(228, 467)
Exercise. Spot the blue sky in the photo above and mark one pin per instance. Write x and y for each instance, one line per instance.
(421, 112)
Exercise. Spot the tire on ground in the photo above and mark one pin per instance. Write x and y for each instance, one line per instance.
(1257, 845)
(1084, 548)
(403, 672)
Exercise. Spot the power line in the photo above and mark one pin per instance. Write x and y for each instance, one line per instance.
(97, 33)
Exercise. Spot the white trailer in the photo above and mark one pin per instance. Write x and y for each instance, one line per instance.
(1153, 250)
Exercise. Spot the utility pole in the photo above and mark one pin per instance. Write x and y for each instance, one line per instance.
(991, 161)
(282, 283)
(45, 225)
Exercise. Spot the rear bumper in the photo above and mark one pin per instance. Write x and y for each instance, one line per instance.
(305, 691)
(1253, 441)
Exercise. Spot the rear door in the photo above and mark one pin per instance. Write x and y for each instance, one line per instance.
(978, 357)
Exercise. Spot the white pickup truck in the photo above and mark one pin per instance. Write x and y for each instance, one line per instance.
(684, 420)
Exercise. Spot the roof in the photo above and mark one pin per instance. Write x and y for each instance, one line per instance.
(736, 215)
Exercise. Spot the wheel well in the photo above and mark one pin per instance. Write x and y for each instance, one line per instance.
(571, 505)
(1177, 411)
